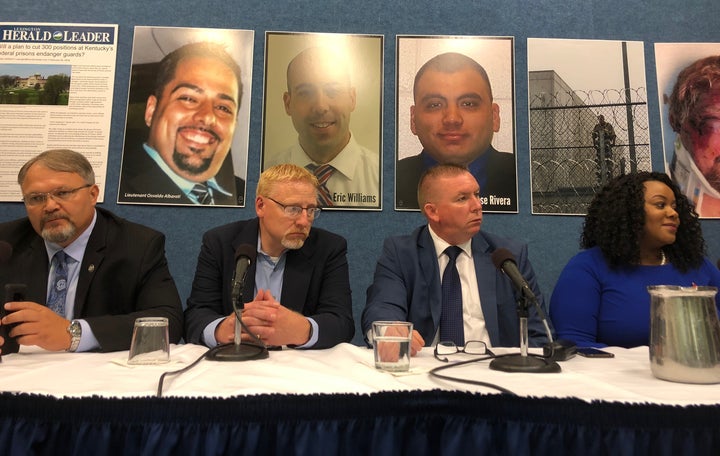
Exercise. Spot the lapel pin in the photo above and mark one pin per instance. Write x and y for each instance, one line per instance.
(91, 268)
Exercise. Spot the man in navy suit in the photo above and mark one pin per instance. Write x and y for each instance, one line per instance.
(298, 289)
(407, 282)
(116, 270)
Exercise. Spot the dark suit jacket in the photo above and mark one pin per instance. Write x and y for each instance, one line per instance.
(124, 275)
(501, 181)
(406, 287)
(142, 176)
(316, 281)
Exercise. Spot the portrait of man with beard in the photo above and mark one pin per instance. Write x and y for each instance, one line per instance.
(191, 116)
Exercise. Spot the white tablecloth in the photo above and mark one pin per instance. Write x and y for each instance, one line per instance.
(342, 369)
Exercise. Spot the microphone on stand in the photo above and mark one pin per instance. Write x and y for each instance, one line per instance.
(238, 350)
(504, 260)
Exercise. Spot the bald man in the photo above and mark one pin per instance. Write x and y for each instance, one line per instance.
(320, 99)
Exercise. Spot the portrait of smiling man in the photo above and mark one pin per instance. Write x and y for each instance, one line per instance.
(326, 84)
(191, 115)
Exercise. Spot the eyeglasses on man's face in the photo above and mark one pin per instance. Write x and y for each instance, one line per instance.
(59, 194)
(295, 211)
(472, 347)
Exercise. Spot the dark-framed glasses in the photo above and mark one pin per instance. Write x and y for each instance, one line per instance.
(295, 211)
(472, 347)
(59, 194)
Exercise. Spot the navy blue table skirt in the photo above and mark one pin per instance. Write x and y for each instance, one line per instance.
(415, 423)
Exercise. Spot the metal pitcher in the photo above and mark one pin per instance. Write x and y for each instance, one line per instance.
(684, 334)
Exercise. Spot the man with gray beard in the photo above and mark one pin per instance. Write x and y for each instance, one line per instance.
(298, 289)
(88, 273)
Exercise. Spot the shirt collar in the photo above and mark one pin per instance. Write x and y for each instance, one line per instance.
(185, 185)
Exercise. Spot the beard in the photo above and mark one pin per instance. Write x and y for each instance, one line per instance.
(183, 163)
(292, 244)
(59, 235)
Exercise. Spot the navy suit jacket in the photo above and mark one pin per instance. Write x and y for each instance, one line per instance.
(501, 181)
(406, 287)
(124, 275)
(316, 282)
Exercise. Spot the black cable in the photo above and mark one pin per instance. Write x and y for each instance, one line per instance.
(435, 371)
(186, 368)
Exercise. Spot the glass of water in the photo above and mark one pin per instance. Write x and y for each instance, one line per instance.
(391, 341)
(150, 344)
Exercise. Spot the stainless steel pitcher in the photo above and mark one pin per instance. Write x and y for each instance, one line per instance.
(684, 334)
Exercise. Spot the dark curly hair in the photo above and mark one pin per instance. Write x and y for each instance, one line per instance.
(616, 218)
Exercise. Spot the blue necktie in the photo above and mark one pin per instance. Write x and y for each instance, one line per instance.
(59, 283)
(451, 315)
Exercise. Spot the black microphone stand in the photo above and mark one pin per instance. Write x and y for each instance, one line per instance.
(237, 350)
(524, 362)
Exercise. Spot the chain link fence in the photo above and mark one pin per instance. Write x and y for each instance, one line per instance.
(569, 163)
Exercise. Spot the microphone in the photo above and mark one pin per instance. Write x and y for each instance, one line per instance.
(244, 257)
(504, 261)
(237, 350)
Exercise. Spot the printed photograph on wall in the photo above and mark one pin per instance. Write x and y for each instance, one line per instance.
(188, 116)
(35, 84)
(688, 76)
(456, 104)
(323, 111)
(587, 102)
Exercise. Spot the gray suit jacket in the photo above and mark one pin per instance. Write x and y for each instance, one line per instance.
(407, 287)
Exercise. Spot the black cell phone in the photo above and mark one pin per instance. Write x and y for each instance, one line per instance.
(13, 292)
(594, 353)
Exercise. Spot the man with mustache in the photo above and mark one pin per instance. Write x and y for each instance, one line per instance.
(89, 274)
(191, 115)
(297, 292)
(413, 271)
(455, 117)
(320, 99)
(694, 114)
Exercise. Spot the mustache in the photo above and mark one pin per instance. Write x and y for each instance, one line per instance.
(51, 217)
(209, 131)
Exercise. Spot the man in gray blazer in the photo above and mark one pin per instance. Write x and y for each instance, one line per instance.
(114, 270)
(407, 282)
(298, 289)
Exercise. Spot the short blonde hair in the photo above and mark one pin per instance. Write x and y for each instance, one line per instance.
(283, 173)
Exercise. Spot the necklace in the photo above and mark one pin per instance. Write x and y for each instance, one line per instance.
(663, 260)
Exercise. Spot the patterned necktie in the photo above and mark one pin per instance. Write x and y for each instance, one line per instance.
(323, 174)
(451, 315)
(59, 283)
(203, 193)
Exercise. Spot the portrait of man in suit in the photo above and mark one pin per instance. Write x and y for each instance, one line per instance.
(323, 112)
(455, 114)
(191, 115)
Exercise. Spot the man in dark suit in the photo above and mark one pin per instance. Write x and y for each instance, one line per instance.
(454, 117)
(407, 283)
(298, 289)
(192, 115)
(115, 271)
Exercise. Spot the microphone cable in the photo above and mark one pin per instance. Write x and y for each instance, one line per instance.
(207, 353)
(434, 373)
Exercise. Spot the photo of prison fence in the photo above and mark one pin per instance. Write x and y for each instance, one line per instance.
(579, 140)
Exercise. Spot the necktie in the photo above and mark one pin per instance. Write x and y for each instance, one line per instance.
(323, 173)
(59, 283)
(451, 315)
(203, 193)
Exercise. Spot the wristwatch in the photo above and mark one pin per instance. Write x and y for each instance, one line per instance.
(75, 331)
